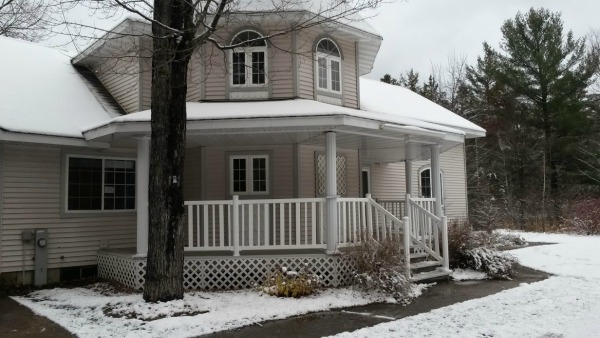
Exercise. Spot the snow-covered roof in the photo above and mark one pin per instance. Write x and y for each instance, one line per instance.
(199, 111)
(399, 101)
(42, 93)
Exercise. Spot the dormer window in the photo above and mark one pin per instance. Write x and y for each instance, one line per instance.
(329, 61)
(248, 60)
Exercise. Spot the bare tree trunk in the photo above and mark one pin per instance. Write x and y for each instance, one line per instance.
(164, 278)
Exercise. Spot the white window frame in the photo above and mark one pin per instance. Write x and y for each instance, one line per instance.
(101, 210)
(421, 170)
(328, 59)
(248, 69)
(249, 173)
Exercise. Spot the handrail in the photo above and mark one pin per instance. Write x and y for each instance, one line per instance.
(384, 210)
(427, 212)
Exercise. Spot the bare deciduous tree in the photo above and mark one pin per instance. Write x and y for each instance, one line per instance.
(25, 19)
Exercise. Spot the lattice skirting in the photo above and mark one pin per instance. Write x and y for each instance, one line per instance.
(209, 273)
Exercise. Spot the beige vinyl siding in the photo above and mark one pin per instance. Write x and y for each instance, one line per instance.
(387, 181)
(31, 183)
(215, 74)
(215, 175)
(120, 76)
(306, 77)
(280, 66)
(307, 171)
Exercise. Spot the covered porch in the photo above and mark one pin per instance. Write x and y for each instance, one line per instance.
(244, 234)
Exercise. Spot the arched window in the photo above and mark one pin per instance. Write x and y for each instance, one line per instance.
(329, 65)
(425, 185)
(248, 59)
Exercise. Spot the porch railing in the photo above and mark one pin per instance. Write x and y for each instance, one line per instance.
(267, 224)
(237, 225)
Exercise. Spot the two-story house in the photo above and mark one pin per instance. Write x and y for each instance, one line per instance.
(290, 156)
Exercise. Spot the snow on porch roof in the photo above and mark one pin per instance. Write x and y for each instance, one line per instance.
(280, 109)
(42, 93)
(399, 101)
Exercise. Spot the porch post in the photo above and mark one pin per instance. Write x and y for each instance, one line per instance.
(436, 184)
(331, 192)
(141, 193)
(408, 176)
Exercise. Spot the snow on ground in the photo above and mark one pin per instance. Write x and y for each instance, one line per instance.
(87, 312)
(565, 305)
(468, 274)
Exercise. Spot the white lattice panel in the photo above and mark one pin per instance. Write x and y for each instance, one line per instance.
(321, 170)
(210, 273)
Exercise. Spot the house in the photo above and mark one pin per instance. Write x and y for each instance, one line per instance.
(290, 157)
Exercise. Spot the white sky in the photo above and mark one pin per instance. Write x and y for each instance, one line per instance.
(419, 33)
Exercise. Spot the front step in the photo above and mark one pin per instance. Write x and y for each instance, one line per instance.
(424, 265)
(431, 276)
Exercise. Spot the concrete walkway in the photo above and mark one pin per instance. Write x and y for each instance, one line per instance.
(350, 319)
(18, 321)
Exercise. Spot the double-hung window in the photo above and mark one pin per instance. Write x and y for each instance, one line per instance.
(249, 174)
(97, 184)
(248, 60)
(328, 66)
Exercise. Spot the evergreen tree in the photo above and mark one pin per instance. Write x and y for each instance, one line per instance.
(550, 72)
(410, 80)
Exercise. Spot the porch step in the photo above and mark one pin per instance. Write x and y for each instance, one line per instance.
(424, 264)
(418, 255)
(430, 276)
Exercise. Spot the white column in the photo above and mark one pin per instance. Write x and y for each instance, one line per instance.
(141, 194)
(436, 184)
(331, 192)
(408, 176)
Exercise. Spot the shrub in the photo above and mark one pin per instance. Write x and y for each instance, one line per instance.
(380, 267)
(584, 216)
(284, 282)
(476, 250)
(496, 264)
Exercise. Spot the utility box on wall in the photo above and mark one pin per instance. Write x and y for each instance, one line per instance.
(40, 264)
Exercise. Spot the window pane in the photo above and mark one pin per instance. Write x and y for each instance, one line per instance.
(239, 68)
(259, 174)
(239, 175)
(85, 181)
(322, 65)
(328, 47)
(426, 183)
(242, 39)
(335, 75)
(258, 67)
(119, 184)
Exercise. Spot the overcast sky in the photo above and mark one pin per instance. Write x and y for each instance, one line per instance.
(417, 33)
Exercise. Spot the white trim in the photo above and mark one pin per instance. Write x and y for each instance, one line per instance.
(328, 60)
(101, 210)
(249, 172)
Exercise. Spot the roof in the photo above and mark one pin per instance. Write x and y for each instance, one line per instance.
(278, 109)
(396, 100)
(42, 93)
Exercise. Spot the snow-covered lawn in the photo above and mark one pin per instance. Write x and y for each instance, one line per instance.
(100, 311)
(565, 305)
